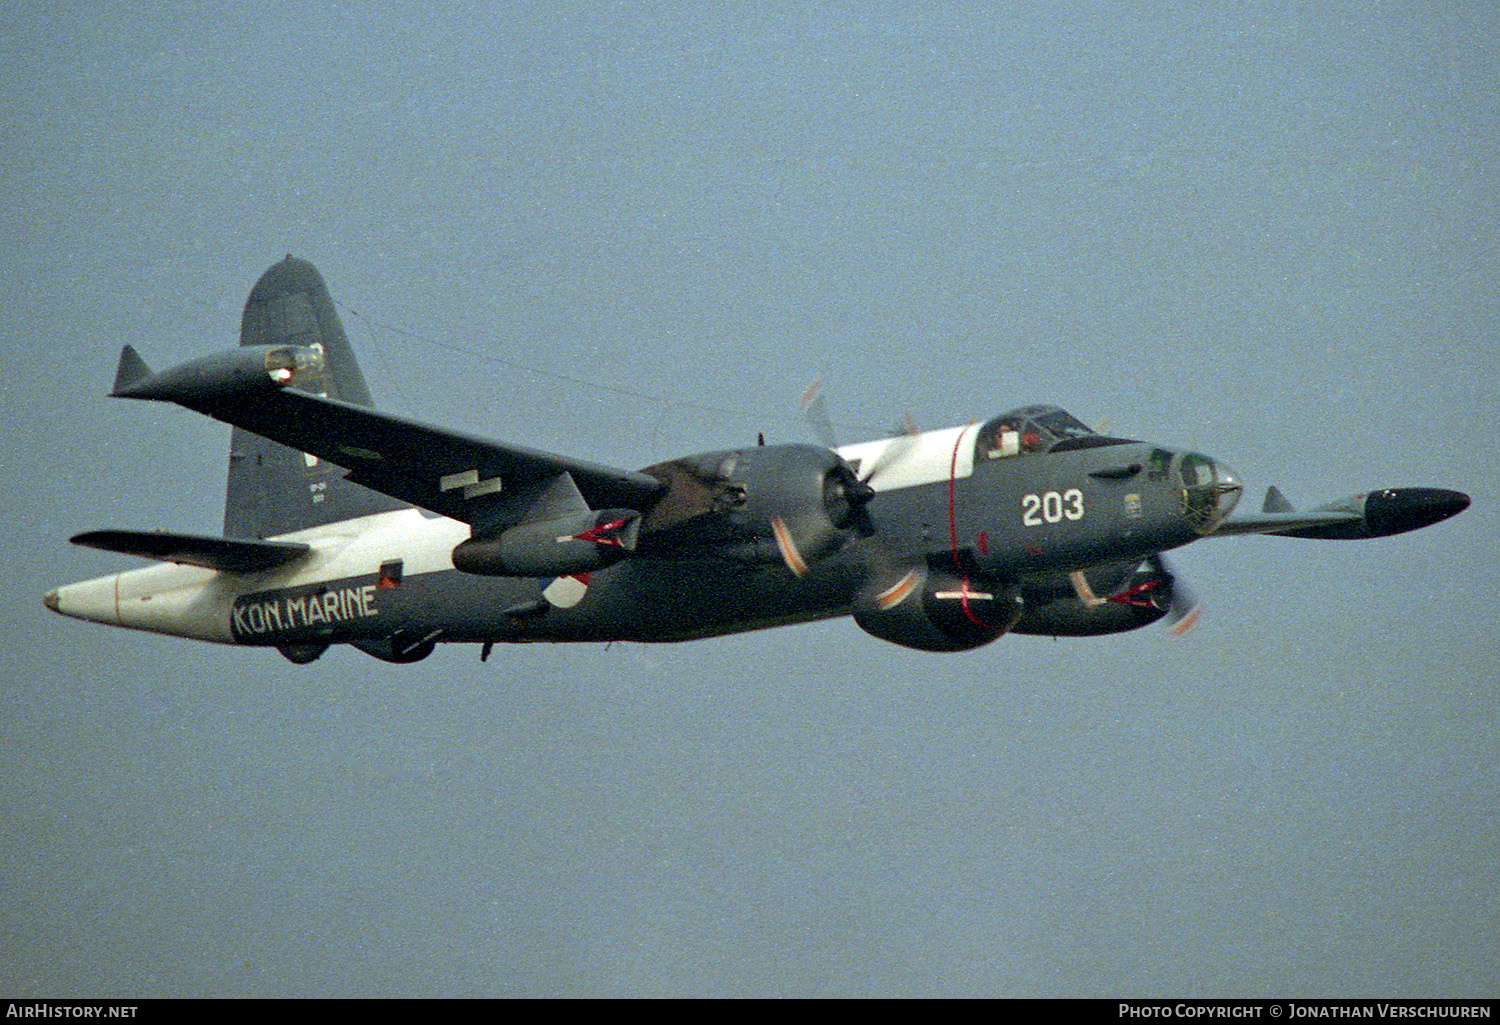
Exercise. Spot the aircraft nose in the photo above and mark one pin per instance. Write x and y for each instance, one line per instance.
(51, 601)
(1227, 484)
(1210, 490)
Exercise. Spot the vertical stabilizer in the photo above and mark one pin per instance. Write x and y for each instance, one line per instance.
(274, 489)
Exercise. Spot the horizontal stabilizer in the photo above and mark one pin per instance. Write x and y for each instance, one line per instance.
(220, 553)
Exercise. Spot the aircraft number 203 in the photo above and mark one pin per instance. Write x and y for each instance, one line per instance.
(1051, 507)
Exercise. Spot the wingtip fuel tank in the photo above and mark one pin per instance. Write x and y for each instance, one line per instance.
(232, 374)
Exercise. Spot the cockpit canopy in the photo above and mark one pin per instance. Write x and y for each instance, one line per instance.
(1033, 429)
(1208, 489)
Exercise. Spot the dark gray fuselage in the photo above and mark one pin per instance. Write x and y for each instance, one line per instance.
(1010, 518)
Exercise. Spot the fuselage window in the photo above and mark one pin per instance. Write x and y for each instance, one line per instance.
(999, 438)
(390, 575)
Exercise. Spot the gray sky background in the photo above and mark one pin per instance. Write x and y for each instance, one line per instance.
(1269, 233)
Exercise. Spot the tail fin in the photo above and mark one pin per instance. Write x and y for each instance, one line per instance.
(274, 489)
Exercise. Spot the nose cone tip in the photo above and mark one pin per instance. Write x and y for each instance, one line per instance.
(1401, 509)
(51, 601)
(1439, 503)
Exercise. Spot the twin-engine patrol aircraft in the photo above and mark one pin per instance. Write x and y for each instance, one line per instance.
(345, 525)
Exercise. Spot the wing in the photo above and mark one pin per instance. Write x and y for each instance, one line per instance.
(1291, 524)
(1372, 514)
(460, 476)
(481, 482)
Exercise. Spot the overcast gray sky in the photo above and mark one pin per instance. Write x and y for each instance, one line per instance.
(1264, 233)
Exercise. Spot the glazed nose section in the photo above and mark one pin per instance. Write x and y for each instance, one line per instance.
(1210, 490)
(1228, 488)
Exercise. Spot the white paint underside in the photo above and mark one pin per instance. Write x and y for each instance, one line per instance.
(188, 601)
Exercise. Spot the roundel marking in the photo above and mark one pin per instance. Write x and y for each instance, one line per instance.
(565, 592)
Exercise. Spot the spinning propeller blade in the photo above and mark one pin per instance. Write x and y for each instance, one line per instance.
(903, 441)
(1183, 612)
(816, 412)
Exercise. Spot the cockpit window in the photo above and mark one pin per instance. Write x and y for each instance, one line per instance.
(1062, 425)
(999, 437)
(1033, 429)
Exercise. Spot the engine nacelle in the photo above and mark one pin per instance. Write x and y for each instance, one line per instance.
(795, 503)
(579, 543)
(1138, 596)
(936, 609)
(223, 375)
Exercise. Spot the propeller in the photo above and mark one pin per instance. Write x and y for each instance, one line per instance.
(848, 493)
(815, 411)
(1183, 610)
(904, 439)
(1160, 590)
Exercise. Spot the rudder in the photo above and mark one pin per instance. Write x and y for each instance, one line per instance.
(274, 489)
